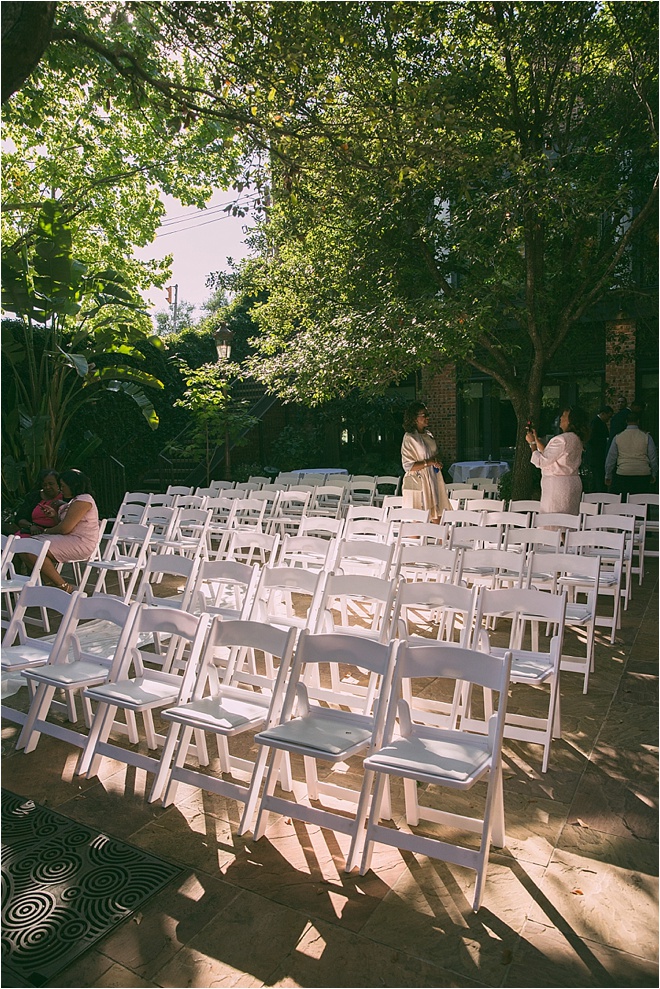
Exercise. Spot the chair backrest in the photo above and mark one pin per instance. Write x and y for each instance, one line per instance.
(361, 491)
(461, 516)
(190, 501)
(324, 528)
(429, 610)
(246, 487)
(161, 517)
(373, 512)
(560, 571)
(358, 605)
(310, 552)
(523, 540)
(177, 590)
(354, 659)
(475, 536)
(428, 562)
(390, 502)
(520, 520)
(486, 484)
(447, 662)
(163, 640)
(249, 545)
(522, 605)
(364, 556)
(560, 520)
(391, 482)
(35, 547)
(613, 523)
(421, 534)
(258, 479)
(601, 542)
(222, 485)
(492, 567)
(207, 492)
(225, 588)
(98, 629)
(288, 597)
(328, 499)
(136, 498)
(629, 508)
(179, 489)
(166, 500)
(248, 513)
(292, 504)
(236, 640)
(525, 505)
(56, 603)
(368, 529)
(482, 504)
(602, 498)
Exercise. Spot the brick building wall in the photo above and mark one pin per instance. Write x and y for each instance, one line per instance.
(620, 341)
(439, 391)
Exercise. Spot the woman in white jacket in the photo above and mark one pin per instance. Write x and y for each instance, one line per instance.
(423, 485)
(559, 460)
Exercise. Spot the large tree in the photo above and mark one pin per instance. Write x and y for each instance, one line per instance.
(488, 173)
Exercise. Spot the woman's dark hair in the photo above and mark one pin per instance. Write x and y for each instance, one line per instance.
(577, 422)
(78, 482)
(410, 416)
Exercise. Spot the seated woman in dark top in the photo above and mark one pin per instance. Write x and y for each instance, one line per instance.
(40, 508)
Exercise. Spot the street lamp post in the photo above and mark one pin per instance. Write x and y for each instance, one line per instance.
(223, 337)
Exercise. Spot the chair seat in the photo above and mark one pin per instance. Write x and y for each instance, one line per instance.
(225, 715)
(527, 667)
(142, 692)
(119, 563)
(13, 584)
(578, 613)
(19, 656)
(78, 673)
(452, 758)
(334, 738)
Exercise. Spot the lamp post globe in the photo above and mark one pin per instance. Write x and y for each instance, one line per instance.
(223, 337)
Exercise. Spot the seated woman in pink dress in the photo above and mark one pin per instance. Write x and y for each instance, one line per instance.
(559, 460)
(76, 534)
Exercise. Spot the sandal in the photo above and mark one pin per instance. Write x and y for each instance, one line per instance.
(69, 588)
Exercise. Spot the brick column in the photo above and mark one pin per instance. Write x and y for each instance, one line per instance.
(439, 391)
(620, 339)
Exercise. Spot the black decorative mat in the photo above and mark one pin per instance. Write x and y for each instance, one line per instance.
(64, 886)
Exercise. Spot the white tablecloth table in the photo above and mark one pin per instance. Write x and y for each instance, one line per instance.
(465, 470)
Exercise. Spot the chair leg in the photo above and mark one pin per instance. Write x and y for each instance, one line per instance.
(39, 708)
(89, 762)
(180, 756)
(165, 761)
(374, 817)
(269, 789)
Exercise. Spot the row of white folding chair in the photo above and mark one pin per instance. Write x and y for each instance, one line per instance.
(133, 694)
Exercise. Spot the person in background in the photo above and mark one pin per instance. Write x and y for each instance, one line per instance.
(631, 466)
(559, 460)
(619, 420)
(75, 535)
(595, 450)
(39, 508)
(423, 484)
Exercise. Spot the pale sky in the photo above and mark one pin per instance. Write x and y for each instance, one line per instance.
(201, 241)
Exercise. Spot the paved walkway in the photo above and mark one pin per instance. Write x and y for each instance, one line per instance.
(571, 901)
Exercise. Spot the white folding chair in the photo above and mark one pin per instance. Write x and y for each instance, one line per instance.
(168, 580)
(316, 725)
(436, 564)
(79, 661)
(387, 486)
(639, 513)
(609, 547)
(321, 527)
(248, 545)
(141, 682)
(367, 529)
(124, 555)
(532, 540)
(179, 489)
(361, 491)
(162, 518)
(525, 505)
(242, 701)
(12, 581)
(327, 500)
(289, 511)
(623, 524)
(531, 667)
(20, 651)
(363, 556)
(190, 501)
(486, 485)
(578, 576)
(288, 597)
(652, 501)
(397, 516)
(492, 568)
(310, 552)
(225, 588)
(426, 754)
